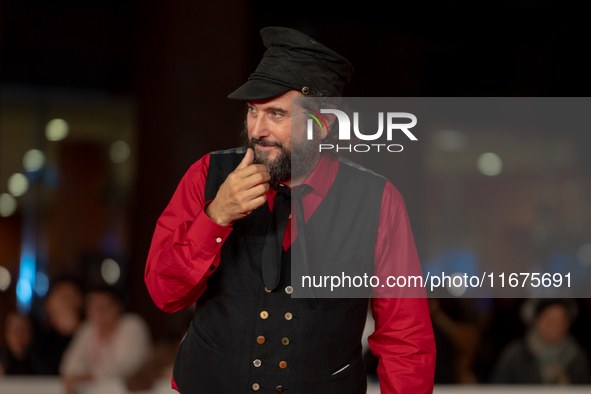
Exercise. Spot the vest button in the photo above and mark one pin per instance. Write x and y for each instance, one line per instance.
(257, 363)
(288, 316)
(289, 289)
(255, 386)
(265, 314)
(279, 389)
(267, 290)
(260, 339)
(285, 341)
(283, 365)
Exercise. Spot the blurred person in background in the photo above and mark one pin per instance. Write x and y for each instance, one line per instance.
(16, 358)
(548, 354)
(160, 364)
(63, 307)
(109, 345)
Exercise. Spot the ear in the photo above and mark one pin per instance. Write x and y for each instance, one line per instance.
(330, 118)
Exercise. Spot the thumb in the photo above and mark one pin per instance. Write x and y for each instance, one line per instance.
(247, 160)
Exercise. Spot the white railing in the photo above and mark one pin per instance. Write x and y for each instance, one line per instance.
(53, 385)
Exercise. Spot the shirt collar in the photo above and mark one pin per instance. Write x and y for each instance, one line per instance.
(323, 175)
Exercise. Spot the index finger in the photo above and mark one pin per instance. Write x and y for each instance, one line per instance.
(252, 169)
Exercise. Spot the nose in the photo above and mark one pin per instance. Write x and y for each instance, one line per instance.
(258, 127)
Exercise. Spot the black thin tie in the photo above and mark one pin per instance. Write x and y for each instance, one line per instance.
(276, 232)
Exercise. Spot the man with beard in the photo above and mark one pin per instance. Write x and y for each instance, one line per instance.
(224, 242)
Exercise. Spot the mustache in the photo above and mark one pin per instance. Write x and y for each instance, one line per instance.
(257, 141)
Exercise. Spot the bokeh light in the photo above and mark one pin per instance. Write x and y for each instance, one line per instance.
(24, 291)
(490, 164)
(18, 184)
(57, 129)
(110, 271)
(33, 160)
(456, 291)
(119, 152)
(41, 284)
(7, 205)
(5, 279)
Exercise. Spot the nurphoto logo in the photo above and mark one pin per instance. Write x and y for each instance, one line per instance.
(344, 124)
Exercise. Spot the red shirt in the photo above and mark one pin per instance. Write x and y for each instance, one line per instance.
(186, 246)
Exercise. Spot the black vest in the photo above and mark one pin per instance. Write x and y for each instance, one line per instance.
(245, 340)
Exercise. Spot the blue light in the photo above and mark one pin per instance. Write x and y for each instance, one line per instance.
(41, 284)
(24, 291)
(24, 287)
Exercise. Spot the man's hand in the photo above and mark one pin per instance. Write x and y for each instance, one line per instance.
(242, 192)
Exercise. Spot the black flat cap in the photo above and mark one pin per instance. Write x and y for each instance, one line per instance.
(294, 61)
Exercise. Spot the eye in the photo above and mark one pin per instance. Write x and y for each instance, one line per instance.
(251, 110)
(276, 114)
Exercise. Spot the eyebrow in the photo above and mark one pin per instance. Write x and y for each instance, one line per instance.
(270, 108)
(278, 109)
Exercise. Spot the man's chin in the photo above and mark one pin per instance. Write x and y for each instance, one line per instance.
(267, 148)
(265, 154)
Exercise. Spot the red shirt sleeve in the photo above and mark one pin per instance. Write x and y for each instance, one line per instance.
(186, 245)
(403, 339)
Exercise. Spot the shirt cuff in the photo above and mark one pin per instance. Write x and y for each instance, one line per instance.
(206, 233)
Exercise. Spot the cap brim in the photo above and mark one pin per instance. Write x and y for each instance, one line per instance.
(257, 89)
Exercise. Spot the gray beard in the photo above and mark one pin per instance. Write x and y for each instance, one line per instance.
(287, 165)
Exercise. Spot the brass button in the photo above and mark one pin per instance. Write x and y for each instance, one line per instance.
(289, 289)
(305, 90)
(288, 316)
(260, 339)
(267, 290)
(265, 314)
(279, 389)
(257, 363)
(255, 386)
(285, 341)
(283, 365)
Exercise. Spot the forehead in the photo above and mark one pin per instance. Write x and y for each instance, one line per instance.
(554, 311)
(99, 297)
(283, 101)
(64, 288)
